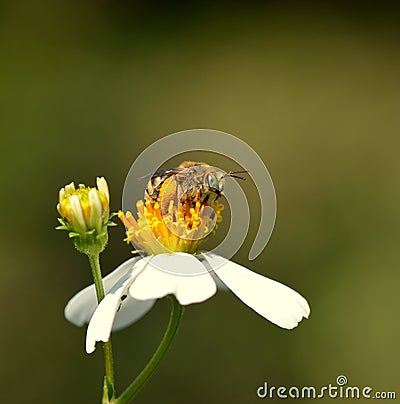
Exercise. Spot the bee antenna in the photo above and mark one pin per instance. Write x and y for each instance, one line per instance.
(233, 174)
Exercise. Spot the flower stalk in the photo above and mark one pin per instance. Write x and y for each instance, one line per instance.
(108, 388)
(152, 365)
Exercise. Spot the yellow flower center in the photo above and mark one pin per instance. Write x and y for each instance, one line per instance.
(85, 203)
(155, 232)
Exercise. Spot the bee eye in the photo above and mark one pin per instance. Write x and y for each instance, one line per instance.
(212, 182)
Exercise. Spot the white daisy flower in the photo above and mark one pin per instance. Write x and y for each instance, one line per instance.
(141, 281)
(192, 277)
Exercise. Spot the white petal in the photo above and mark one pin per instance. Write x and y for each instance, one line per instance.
(78, 219)
(131, 310)
(95, 211)
(61, 194)
(103, 187)
(80, 307)
(69, 188)
(99, 328)
(273, 300)
(185, 277)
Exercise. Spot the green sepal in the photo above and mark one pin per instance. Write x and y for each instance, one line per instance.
(105, 399)
(100, 235)
(88, 242)
(111, 224)
(62, 221)
(112, 215)
(108, 392)
(64, 224)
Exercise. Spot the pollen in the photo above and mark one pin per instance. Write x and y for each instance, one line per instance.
(174, 230)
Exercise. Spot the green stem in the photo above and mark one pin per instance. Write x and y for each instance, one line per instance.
(107, 346)
(96, 272)
(140, 381)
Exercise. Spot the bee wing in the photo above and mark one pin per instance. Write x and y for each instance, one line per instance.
(158, 180)
(164, 173)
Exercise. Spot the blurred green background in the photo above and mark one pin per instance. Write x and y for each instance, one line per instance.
(314, 88)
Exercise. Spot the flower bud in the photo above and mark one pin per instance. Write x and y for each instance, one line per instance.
(85, 215)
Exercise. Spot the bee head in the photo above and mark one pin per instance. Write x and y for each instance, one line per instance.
(216, 185)
(216, 180)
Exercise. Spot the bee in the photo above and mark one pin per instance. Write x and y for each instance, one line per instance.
(187, 184)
